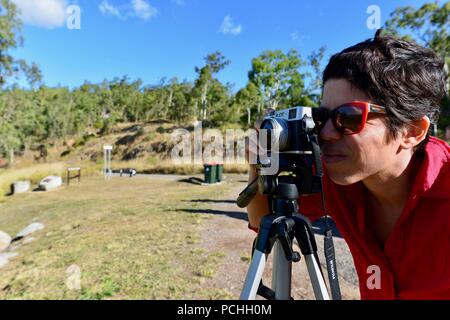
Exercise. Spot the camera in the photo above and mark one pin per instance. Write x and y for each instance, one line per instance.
(292, 148)
(288, 130)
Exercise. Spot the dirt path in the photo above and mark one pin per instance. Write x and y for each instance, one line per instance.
(227, 233)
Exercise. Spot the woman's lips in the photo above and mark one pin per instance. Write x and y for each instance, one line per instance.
(333, 158)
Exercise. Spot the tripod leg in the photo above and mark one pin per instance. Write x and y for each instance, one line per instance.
(316, 277)
(262, 245)
(254, 276)
(307, 242)
(281, 273)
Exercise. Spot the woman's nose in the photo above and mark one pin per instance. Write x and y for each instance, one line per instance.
(329, 132)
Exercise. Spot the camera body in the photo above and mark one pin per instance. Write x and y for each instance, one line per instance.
(296, 154)
(288, 130)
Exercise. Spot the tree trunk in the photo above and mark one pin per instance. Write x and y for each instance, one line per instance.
(11, 157)
(204, 100)
(196, 109)
(169, 101)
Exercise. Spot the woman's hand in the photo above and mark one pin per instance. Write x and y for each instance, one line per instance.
(258, 207)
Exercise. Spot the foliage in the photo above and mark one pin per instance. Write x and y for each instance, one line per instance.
(429, 25)
(10, 39)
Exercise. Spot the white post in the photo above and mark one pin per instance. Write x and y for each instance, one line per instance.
(107, 161)
(109, 164)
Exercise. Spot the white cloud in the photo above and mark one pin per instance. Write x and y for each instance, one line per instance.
(143, 9)
(107, 8)
(228, 26)
(43, 13)
(134, 8)
(295, 35)
(181, 3)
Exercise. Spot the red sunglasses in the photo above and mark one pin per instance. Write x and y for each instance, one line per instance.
(349, 118)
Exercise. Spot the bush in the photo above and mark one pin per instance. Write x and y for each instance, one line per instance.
(160, 129)
(98, 125)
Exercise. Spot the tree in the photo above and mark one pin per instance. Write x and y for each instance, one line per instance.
(214, 63)
(278, 78)
(218, 97)
(315, 60)
(247, 99)
(10, 39)
(429, 26)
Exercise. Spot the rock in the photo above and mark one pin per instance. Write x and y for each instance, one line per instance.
(3, 261)
(10, 255)
(30, 229)
(5, 257)
(50, 182)
(15, 247)
(5, 241)
(20, 187)
(69, 143)
(28, 240)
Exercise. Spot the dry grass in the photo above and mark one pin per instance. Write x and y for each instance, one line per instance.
(131, 238)
(35, 173)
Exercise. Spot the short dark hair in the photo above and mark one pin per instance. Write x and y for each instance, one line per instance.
(408, 79)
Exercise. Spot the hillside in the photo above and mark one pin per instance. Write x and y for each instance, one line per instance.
(145, 147)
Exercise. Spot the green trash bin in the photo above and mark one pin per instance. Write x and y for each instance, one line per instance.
(210, 172)
(219, 172)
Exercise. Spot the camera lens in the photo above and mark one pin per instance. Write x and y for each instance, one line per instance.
(277, 133)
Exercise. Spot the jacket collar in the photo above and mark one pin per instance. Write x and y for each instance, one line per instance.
(433, 177)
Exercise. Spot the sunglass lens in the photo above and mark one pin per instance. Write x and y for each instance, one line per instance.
(348, 119)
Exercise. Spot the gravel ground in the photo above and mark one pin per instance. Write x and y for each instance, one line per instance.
(227, 233)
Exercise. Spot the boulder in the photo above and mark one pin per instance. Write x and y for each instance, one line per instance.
(28, 240)
(3, 261)
(20, 187)
(5, 241)
(29, 230)
(50, 182)
(4, 258)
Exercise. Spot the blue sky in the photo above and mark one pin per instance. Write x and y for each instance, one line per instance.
(151, 39)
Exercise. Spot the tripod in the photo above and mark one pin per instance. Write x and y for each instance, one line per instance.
(277, 232)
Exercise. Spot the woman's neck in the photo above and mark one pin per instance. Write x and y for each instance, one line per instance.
(390, 188)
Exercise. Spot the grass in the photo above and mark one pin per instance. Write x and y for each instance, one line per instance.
(130, 238)
(35, 173)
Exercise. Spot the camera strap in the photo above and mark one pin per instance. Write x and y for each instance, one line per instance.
(329, 252)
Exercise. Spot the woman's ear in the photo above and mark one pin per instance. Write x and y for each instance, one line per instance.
(415, 132)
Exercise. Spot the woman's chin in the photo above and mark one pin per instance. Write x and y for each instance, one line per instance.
(342, 179)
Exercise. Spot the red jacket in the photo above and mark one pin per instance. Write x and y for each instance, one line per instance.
(415, 261)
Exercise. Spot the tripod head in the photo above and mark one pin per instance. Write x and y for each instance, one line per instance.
(302, 171)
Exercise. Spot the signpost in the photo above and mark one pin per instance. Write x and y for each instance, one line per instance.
(107, 161)
(69, 176)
